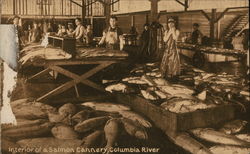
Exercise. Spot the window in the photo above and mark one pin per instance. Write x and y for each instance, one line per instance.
(115, 5)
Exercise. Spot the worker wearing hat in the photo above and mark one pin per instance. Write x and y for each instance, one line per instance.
(19, 31)
(196, 34)
(170, 65)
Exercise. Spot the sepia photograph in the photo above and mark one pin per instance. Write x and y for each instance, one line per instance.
(124, 77)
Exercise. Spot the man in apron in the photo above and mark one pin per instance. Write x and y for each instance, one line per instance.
(112, 36)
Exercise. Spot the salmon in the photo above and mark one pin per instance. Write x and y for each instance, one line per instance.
(60, 118)
(147, 95)
(136, 118)
(93, 139)
(176, 89)
(32, 111)
(106, 106)
(67, 109)
(27, 132)
(134, 129)
(64, 132)
(186, 142)
(51, 143)
(91, 124)
(221, 149)
(111, 130)
(24, 123)
(245, 137)
(81, 116)
(213, 136)
(234, 126)
(116, 87)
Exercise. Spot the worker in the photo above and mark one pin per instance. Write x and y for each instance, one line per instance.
(19, 31)
(59, 30)
(112, 36)
(88, 35)
(196, 34)
(79, 31)
(36, 33)
(70, 29)
(144, 41)
(170, 65)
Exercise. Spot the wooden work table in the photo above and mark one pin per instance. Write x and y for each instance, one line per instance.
(87, 56)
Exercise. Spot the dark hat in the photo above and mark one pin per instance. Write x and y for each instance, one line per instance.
(196, 24)
(171, 20)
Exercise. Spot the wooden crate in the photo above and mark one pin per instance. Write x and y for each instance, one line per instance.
(172, 123)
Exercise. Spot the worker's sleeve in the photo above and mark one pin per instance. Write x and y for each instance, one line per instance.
(103, 37)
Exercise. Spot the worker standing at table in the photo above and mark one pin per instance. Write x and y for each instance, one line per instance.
(196, 34)
(112, 36)
(79, 31)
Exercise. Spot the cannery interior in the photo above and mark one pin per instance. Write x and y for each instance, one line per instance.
(125, 76)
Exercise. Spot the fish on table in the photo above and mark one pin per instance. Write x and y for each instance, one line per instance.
(106, 106)
(214, 136)
(234, 126)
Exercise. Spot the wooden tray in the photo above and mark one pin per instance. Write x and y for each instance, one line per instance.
(172, 123)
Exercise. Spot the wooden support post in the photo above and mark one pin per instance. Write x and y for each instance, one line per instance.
(132, 20)
(146, 18)
(154, 10)
(186, 5)
(83, 10)
(212, 23)
(107, 10)
(14, 7)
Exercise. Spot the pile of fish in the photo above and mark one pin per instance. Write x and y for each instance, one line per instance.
(86, 125)
(194, 90)
(214, 50)
(233, 137)
(37, 52)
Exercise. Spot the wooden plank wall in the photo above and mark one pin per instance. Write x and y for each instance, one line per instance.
(124, 23)
(53, 8)
(31, 7)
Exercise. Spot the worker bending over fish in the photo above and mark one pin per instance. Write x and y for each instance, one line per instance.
(112, 36)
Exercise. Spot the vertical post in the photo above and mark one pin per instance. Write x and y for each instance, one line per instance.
(107, 10)
(132, 20)
(186, 5)
(146, 18)
(14, 7)
(62, 6)
(212, 23)
(83, 10)
(154, 9)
